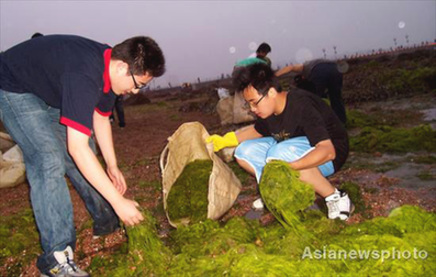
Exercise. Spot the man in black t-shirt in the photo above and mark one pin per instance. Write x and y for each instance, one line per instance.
(296, 127)
(55, 91)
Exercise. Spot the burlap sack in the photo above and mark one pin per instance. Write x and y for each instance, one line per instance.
(186, 145)
(224, 108)
(13, 155)
(6, 142)
(231, 110)
(240, 114)
(11, 173)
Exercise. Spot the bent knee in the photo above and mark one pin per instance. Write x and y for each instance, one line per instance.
(50, 164)
(287, 153)
(243, 151)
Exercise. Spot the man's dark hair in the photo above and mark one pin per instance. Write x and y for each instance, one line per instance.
(263, 48)
(35, 35)
(142, 54)
(258, 75)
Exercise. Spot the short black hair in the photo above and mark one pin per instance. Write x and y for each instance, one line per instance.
(35, 35)
(263, 48)
(258, 75)
(142, 54)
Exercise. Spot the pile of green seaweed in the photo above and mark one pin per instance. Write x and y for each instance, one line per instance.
(284, 194)
(394, 140)
(188, 198)
(303, 242)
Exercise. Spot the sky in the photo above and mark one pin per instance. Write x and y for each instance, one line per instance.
(204, 39)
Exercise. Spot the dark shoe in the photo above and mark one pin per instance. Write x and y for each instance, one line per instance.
(97, 235)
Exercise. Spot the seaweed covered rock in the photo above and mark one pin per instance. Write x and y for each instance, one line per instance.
(284, 193)
(394, 140)
(187, 200)
(402, 244)
(208, 238)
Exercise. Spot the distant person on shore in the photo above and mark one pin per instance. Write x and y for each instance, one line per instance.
(35, 35)
(262, 51)
(296, 127)
(323, 78)
(246, 62)
(51, 110)
(120, 111)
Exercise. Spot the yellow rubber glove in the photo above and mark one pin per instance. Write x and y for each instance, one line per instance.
(220, 142)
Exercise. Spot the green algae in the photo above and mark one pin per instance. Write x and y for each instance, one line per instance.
(147, 254)
(425, 159)
(354, 192)
(276, 251)
(302, 242)
(402, 244)
(399, 77)
(240, 173)
(380, 116)
(426, 175)
(418, 79)
(284, 193)
(188, 198)
(18, 238)
(394, 140)
(209, 239)
(358, 119)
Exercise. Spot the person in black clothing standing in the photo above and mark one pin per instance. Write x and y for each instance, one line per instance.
(118, 107)
(262, 51)
(323, 78)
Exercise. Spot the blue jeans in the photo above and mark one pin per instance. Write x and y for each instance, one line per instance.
(35, 127)
(257, 152)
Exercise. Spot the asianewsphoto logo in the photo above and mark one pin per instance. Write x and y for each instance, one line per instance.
(363, 254)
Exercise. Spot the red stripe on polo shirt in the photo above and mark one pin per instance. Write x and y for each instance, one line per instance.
(76, 126)
(103, 113)
(106, 77)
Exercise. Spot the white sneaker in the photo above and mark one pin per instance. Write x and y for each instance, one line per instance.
(258, 204)
(339, 205)
(66, 266)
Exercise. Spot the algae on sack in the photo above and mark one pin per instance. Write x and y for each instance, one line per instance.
(187, 200)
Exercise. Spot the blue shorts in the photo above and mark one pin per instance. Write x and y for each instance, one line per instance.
(257, 152)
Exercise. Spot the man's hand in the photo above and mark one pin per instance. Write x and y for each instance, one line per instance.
(127, 211)
(220, 142)
(117, 179)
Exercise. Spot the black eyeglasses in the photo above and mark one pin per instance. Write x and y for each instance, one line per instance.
(136, 84)
(249, 105)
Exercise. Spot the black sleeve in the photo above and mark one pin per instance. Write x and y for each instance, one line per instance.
(261, 127)
(313, 123)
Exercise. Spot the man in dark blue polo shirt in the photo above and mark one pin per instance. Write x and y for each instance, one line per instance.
(54, 91)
